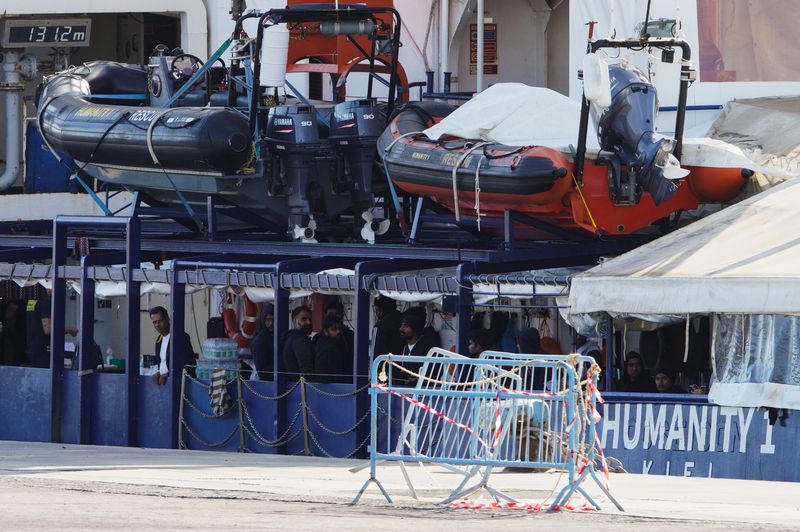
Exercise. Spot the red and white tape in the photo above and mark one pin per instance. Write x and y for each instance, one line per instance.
(430, 409)
(535, 507)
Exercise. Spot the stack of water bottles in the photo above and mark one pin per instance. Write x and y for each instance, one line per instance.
(218, 353)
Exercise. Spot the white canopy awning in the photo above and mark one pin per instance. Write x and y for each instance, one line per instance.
(742, 260)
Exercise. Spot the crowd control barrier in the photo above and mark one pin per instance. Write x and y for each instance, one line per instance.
(471, 416)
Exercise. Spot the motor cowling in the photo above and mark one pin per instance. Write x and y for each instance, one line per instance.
(627, 129)
(293, 141)
(354, 131)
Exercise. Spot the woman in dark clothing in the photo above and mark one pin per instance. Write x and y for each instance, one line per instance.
(636, 378)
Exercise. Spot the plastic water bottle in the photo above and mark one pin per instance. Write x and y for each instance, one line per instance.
(109, 356)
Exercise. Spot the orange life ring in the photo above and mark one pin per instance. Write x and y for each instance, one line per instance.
(242, 334)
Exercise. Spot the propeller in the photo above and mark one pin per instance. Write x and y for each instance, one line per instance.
(373, 227)
(306, 234)
(671, 168)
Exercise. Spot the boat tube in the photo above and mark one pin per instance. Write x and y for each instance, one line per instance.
(188, 138)
(629, 182)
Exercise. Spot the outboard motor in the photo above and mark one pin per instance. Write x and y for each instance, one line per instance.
(293, 142)
(627, 129)
(355, 128)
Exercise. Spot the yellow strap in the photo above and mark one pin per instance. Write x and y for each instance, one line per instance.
(585, 205)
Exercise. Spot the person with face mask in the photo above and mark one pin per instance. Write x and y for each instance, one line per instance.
(298, 354)
(636, 378)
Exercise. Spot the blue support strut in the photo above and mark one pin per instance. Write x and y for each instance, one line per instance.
(86, 362)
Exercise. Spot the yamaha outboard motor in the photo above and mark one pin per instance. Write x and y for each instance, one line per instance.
(355, 128)
(293, 142)
(627, 128)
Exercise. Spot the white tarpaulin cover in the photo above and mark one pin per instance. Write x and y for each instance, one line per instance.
(515, 114)
(267, 295)
(740, 260)
(767, 130)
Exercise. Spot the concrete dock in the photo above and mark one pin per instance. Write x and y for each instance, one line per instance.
(66, 487)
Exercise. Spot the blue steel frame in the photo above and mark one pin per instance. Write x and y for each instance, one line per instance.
(61, 226)
(177, 305)
(282, 319)
(281, 258)
(86, 362)
(365, 273)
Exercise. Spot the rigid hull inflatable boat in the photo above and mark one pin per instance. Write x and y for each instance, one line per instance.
(628, 181)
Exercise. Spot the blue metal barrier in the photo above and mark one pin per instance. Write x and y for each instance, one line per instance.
(502, 410)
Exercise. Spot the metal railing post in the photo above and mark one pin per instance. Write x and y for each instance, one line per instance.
(304, 409)
(181, 444)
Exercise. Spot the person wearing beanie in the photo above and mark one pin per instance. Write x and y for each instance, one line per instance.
(415, 343)
(263, 345)
(528, 341)
(333, 361)
(665, 381)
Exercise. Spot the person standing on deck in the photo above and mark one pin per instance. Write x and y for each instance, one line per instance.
(160, 319)
(263, 345)
(298, 353)
(38, 331)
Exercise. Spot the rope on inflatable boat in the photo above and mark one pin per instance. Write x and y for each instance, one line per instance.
(157, 163)
(583, 200)
(478, 189)
(458, 164)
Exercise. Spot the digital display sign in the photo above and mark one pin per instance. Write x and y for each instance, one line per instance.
(27, 33)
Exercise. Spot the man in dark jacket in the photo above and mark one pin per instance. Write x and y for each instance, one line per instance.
(298, 354)
(333, 361)
(160, 319)
(38, 331)
(386, 326)
(335, 308)
(416, 344)
(263, 345)
(12, 335)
